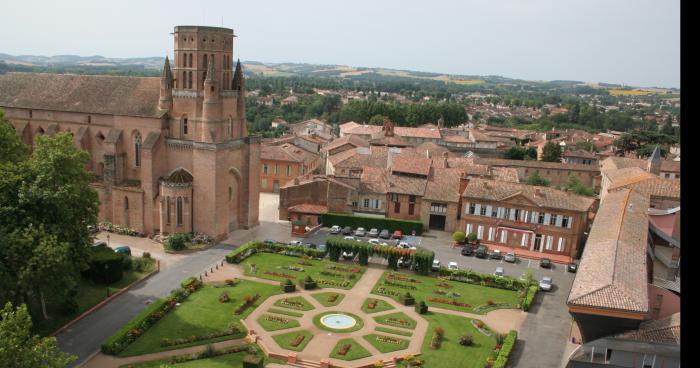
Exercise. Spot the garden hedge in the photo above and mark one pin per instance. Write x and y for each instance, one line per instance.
(252, 361)
(422, 259)
(506, 349)
(254, 246)
(342, 220)
(105, 265)
(471, 277)
(530, 297)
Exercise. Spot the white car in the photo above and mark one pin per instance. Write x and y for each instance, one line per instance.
(349, 238)
(404, 245)
(375, 242)
(335, 229)
(452, 266)
(546, 283)
(499, 272)
(295, 243)
(436, 265)
(348, 255)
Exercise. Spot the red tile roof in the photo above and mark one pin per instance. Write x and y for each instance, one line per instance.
(310, 208)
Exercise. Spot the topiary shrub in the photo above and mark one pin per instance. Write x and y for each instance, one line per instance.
(421, 308)
(471, 237)
(407, 299)
(288, 286)
(105, 265)
(466, 340)
(458, 236)
(309, 283)
(252, 361)
(177, 242)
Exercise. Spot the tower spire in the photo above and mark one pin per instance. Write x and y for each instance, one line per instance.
(167, 75)
(165, 101)
(238, 76)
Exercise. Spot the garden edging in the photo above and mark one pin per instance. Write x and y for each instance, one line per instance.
(107, 300)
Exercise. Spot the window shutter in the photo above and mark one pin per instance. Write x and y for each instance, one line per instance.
(480, 232)
(488, 210)
(549, 242)
(523, 241)
(469, 228)
(512, 214)
(559, 218)
(547, 218)
(571, 220)
(491, 233)
(466, 207)
(504, 236)
(560, 246)
(534, 217)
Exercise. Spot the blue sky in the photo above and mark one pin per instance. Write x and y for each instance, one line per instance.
(635, 42)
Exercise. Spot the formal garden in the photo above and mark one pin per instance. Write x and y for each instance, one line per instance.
(372, 315)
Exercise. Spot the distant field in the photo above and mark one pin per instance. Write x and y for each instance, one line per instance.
(629, 92)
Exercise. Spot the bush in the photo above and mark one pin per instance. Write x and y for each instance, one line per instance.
(252, 361)
(421, 308)
(248, 249)
(466, 340)
(471, 237)
(224, 298)
(342, 220)
(506, 349)
(288, 286)
(177, 241)
(309, 283)
(407, 299)
(142, 264)
(105, 265)
(458, 236)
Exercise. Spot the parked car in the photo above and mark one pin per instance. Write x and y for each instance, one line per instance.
(310, 245)
(123, 249)
(510, 257)
(452, 266)
(384, 234)
(436, 265)
(335, 229)
(322, 247)
(499, 272)
(404, 262)
(481, 252)
(360, 231)
(347, 230)
(572, 267)
(496, 254)
(467, 250)
(404, 245)
(397, 234)
(93, 229)
(269, 241)
(374, 241)
(348, 255)
(546, 283)
(99, 243)
(295, 243)
(373, 232)
(349, 237)
(545, 263)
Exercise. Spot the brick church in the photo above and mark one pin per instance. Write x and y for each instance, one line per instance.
(170, 154)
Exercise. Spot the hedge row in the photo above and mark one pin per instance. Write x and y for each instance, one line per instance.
(105, 265)
(529, 297)
(506, 349)
(210, 352)
(422, 259)
(248, 249)
(483, 279)
(148, 317)
(342, 220)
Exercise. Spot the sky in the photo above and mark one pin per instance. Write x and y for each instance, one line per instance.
(633, 42)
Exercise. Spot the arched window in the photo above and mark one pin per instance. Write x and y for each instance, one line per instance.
(230, 193)
(167, 210)
(126, 203)
(190, 61)
(230, 127)
(178, 211)
(183, 60)
(184, 125)
(184, 80)
(206, 63)
(137, 149)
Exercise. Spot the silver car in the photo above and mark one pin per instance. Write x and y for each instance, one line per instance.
(510, 257)
(360, 231)
(499, 272)
(373, 232)
(546, 283)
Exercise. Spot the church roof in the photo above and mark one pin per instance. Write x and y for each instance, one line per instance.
(99, 94)
(179, 176)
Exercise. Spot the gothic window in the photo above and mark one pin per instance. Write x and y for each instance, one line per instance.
(137, 149)
(230, 193)
(167, 210)
(189, 63)
(206, 64)
(183, 60)
(230, 127)
(184, 125)
(189, 80)
(178, 211)
(126, 203)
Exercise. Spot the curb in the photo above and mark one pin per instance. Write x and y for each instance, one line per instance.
(102, 303)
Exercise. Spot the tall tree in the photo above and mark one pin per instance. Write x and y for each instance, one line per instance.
(551, 152)
(11, 147)
(536, 179)
(575, 185)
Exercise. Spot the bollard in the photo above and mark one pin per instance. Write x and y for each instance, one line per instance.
(205, 273)
(200, 277)
(217, 266)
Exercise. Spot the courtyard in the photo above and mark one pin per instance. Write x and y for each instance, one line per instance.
(342, 323)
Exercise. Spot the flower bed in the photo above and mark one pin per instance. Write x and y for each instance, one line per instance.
(393, 276)
(506, 349)
(305, 263)
(297, 340)
(342, 284)
(276, 319)
(389, 340)
(372, 304)
(399, 285)
(292, 303)
(398, 322)
(343, 269)
(146, 319)
(247, 303)
(277, 274)
(479, 325)
(209, 353)
(232, 330)
(344, 350)
(385, 291)
(332, 298)
(294, 268)
(450, 302)
(443, 285)
(484, 307)
(117, 229)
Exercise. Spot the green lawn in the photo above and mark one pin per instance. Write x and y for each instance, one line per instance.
(358, 322)
(356, 350)
(296, 302)
(285, 312)
(380, 306)
(89, 295)
(221, 361)
(398, 316)
(393, 331)
(451, 354)
(273, 323)
(278, 267)
(427, 287)
(386, 346)
(325, 298)
(201, 313)
(284, 340)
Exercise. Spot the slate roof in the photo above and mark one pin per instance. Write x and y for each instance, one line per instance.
(612, 274)
(99, 94)
(544, 197)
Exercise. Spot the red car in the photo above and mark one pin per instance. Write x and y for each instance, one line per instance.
(397, 234)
